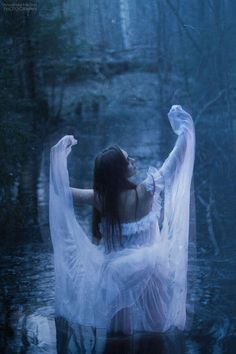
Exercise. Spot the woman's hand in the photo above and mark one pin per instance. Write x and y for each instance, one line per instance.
(65, 144)
(179, 118)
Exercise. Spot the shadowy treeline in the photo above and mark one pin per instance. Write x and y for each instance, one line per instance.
(191, 45)
(35, 54)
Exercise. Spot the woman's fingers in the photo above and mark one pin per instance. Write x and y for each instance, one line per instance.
(178, 111)
(74, 141)
(69, 140)
(66, 141)
(178, 118)
(176, 107)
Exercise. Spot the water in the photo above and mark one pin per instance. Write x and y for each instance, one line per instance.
(27, 317)
(122, 110)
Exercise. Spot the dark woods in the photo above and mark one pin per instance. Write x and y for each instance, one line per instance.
(108, 72)
(190, 45)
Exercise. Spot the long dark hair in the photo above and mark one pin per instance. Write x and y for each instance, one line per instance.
(109, 180)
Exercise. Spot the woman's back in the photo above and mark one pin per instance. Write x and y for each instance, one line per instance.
(138, 218)
(134, 204)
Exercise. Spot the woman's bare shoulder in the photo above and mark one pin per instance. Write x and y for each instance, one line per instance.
(144, 191)
(83, 196)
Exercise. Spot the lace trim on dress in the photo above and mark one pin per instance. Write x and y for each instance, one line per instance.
(134, 227)
(154, 181)
(142, 224)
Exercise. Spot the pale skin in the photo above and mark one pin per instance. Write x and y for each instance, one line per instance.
(127, 198)
(139, 197)
(86, 196)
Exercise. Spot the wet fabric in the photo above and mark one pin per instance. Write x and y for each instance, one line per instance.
(143, 286)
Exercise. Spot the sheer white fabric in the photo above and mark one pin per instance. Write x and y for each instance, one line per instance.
(143, 286)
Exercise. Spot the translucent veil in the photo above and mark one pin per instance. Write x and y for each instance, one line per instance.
(75, 257)
(178, 232)
(78, 262)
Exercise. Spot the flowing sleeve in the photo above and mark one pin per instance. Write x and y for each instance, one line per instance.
(154, 184)
(177, 172)
(172, 188)
(75, 257)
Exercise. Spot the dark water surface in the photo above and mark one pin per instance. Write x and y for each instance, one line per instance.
(28, 315)
(127, 115)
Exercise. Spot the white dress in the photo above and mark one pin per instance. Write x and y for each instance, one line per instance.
(142, 286)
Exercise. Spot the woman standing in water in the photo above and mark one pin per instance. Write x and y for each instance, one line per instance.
(133, 275)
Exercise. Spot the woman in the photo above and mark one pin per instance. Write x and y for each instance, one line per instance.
(133, 276)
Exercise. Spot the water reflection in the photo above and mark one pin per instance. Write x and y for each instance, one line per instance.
(81, 339)
(28, 324)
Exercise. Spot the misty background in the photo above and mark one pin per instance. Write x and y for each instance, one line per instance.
(108, 72)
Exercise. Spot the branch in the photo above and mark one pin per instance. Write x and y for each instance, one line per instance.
(183, 25)
(207, 105)
(208, 205)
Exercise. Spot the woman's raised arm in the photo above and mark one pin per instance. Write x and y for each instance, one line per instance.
(173, 178)
(63, 148)
(182, 124)
(83, 196)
